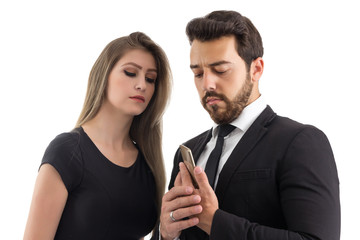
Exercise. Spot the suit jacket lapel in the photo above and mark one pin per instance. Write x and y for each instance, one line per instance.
(199, 147)
(245, 145)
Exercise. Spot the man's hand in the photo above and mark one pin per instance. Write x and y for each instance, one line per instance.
(183, 204)
(209, 200)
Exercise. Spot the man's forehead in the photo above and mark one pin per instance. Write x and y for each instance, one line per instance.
(213, 53)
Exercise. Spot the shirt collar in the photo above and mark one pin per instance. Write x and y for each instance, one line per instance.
(247, 116)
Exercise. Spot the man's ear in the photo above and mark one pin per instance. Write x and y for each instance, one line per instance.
(256, 69)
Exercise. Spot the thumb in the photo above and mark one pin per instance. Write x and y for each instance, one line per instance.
(185, 175)
(202, 178)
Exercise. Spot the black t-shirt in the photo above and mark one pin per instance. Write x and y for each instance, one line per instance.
(105, 201)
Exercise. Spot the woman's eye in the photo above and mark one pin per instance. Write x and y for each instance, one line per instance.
(150, 80)
(130, 74)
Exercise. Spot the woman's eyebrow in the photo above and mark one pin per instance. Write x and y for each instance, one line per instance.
(139, 67)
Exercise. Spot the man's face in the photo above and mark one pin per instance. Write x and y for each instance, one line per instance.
(221, 78)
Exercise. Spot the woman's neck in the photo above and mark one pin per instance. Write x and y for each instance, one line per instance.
(109, 127)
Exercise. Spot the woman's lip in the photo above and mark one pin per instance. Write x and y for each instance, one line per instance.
(138, 98)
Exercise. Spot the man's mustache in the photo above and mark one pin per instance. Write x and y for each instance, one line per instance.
(213, 94)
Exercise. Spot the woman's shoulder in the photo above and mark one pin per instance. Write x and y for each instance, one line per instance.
(66, 141)
(67, 137)
(64, 154)
(64, 148)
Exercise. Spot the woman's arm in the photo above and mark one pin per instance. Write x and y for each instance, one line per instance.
(48, 202)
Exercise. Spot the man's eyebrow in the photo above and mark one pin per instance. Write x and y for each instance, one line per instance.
(192, 66)
(139, 67)
(218, 63)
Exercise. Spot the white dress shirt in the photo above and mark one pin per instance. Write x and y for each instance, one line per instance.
(242, 124)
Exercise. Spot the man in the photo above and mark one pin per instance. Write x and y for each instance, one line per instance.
(276, 178)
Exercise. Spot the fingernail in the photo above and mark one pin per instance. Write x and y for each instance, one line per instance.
(198, 209)
(197, 198)
(188, 190)
(198, 170)
(195, 220)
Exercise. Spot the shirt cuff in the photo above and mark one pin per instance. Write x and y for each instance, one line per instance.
(176, 238)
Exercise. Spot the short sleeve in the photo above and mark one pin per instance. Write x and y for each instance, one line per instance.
(64, 154)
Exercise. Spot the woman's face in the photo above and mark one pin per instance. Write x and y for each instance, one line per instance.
(131, 82)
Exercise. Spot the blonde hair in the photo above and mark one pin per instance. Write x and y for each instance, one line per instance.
(146, 128)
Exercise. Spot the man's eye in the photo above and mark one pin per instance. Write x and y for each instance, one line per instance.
(198, 75)
(220, 72)
(130, 74)
(150, 80)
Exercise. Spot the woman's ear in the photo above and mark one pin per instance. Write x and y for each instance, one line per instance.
(256, 69)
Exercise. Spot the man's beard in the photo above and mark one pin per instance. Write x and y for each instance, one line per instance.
(232, 108)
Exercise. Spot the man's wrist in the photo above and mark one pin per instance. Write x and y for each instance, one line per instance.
(162, 238)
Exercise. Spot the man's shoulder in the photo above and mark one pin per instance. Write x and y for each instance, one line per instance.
(287, 123)
(283, 126)
(278, 125)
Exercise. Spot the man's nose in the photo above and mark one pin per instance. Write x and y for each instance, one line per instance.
(209, 81)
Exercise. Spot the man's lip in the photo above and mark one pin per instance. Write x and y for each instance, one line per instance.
(138, 98)
(213, 100)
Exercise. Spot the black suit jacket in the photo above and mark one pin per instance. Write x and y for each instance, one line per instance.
(280, 182)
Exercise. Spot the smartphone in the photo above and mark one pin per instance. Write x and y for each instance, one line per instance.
(189, 163)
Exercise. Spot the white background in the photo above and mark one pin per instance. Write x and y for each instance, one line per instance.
(47, 50)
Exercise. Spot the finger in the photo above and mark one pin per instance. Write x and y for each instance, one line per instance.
(180, 203)
(185, 175)
(181, 207)
(178, 226)
(176, 192)
(182, 213)
(183, 224)
(178, 180)
(202, 178)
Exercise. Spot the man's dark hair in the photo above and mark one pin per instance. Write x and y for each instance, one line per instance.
(226, 23)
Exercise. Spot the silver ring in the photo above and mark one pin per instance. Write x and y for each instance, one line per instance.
(172, 217)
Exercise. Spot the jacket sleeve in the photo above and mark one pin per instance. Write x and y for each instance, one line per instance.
(309, 191)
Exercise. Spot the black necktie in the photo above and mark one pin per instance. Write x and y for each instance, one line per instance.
(213, 161)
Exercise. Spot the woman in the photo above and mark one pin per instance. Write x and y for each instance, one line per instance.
(105, 179)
